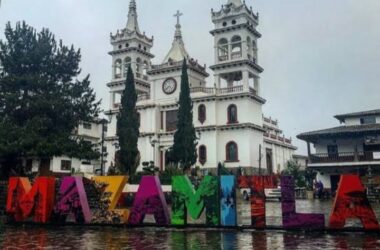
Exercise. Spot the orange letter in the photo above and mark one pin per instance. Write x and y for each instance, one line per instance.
(115, 186)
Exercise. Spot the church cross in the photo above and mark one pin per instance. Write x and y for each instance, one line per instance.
(178, 15)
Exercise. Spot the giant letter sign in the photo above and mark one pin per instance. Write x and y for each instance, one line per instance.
(23, 199)
(149, 199)
(228, 200)
(257, 184)
(291, 219)
(72, 198)
(351, 202)
(115, 186)
(184, 196)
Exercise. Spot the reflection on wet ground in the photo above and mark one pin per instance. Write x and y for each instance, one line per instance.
(149, 238)
(82, 237)
(274, 218)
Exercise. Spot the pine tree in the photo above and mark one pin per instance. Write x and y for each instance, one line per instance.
(42, 100)
(184, 150)
(128, 128)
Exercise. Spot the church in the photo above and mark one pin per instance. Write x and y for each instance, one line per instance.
(227, 114)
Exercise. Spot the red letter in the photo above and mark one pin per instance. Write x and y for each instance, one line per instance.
(351, 202)
(23, 199)
(257, 184)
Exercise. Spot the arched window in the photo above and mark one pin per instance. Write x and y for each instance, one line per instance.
(139, 118)
(202, 154)
(223, 49)
(145, 68)
(138, 67)
(235, 47)
(232, 114)
(232, 152)
(127, 63)
(254, 48)
(202, 113)
(249, 47)
(118, 68)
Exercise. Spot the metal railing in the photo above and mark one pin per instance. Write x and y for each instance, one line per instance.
(341, 157)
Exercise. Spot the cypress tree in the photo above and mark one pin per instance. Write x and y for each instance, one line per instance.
(184, 150)
(128, 128)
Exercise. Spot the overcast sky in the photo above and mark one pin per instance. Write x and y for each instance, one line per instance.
(321, 57)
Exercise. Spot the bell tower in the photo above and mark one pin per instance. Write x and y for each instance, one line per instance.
(130, 47)
(235, 42)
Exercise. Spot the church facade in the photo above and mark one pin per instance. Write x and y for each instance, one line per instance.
(227, 115)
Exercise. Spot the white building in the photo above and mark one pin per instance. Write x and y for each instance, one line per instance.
(278, 149)
(90, 132)
(353, 147)
(227, 115)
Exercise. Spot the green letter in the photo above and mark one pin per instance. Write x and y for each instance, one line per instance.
(185, 198)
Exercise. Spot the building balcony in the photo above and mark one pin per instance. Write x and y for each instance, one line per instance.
(345, 157)
(143, 97)
(221, 91)
(236, 55)
(223, 58)
(141, 76)
(234, 89)
(270, 121)
(278, 138)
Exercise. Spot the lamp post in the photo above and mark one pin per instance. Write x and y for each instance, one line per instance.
(104, 122)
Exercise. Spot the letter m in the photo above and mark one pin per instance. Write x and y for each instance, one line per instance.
(24, 200)
(186, 199)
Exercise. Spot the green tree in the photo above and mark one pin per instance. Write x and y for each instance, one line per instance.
(184, 150)
(128, 125)
(42, 100)
(294, 169)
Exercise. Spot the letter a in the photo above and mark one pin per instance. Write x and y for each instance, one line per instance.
(149, 200)
(351, 202)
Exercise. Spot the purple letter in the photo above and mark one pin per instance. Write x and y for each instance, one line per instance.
(72, 198)
(291, 219)
(149, 200)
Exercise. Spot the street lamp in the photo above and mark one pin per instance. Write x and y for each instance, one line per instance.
(104, 122)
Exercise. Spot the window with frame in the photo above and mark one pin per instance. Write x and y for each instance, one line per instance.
(139, 118)
(87, 125)
(65, 165)
(118, 68)
(202, 154)
(171, 120)
(332, 150)
(202, 113)
(232, 152)
(232, 114)
(368, 120)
